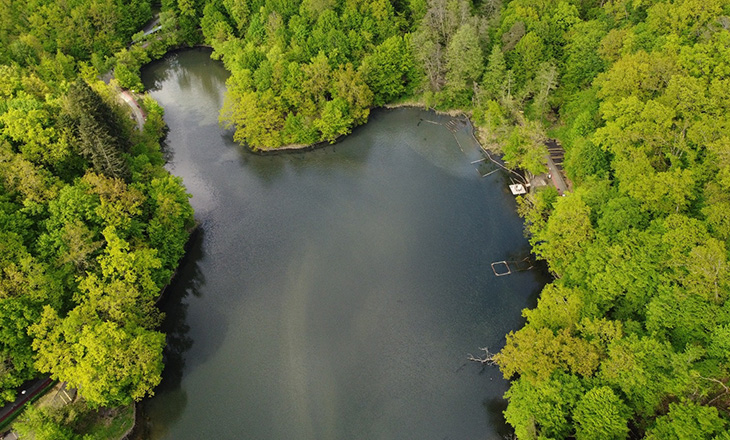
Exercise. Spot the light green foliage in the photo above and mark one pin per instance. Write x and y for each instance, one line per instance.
(621, 213)
(16, 356)
(314, 8)
(641, 247)
(172, 218)
(335, 120)
(350, 86)
(127, 67)
(258, 119)
(601, 332)
(634, 332)
(527, 54)
(308, 72)
(536, 354)
(567, 231)
(645, 370)
(41, 424)
(682, 317)
(719, 345)
(717, 204)
(108, 363)
(27, 122)
(541, 87)
(535, 207)
(637, 74)
(75, 421)
(239, 12)
(78, 28)
(600, 415)
(686, 421)
(464, 63)
(558, 307)
(543, 410)
(91, 225)
(214, 24)
(525, 148)
(433, 37)
(494, 81)
(684, 17)
(583, 61)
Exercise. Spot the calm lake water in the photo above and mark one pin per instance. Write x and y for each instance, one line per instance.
(333, 294)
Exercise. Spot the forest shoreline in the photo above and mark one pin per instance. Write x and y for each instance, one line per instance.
(296, 148)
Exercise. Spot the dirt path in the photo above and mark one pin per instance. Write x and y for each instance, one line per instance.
(557, 177)
(137, 112)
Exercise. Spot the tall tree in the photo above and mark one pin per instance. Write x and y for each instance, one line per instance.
(109, 364)
(101, 135)
(464, 63)
(601, 415)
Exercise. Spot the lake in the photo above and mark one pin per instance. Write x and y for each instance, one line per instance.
(334, 293)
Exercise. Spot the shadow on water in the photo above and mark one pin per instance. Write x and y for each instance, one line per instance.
(268, 169)
(156, 73)
(168, 154)
(188, 280)
(495, 410)
(543, 277)
(350, 154)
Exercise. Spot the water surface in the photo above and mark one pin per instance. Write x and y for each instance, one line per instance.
(333, 294)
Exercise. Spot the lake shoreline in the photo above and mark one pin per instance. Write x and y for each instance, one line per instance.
(296, 148)
(229, 305)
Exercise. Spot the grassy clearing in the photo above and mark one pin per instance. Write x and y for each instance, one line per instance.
(76, 417)
(107, 423)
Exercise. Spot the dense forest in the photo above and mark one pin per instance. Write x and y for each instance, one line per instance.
(631, 339)
(92, 226)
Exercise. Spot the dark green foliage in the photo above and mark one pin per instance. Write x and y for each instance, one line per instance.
(102, 138)
(80, 28)
(388, 70)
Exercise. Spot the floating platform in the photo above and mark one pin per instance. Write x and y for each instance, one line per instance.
(502, 268)
(517, 189)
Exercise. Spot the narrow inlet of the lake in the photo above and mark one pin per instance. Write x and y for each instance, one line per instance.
(333, 294)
